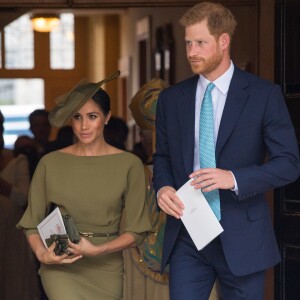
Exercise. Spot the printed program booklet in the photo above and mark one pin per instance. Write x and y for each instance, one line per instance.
(52, 224)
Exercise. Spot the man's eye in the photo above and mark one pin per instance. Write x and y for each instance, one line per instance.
(188, 43)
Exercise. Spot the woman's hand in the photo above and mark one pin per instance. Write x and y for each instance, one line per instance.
(48, 257)
(83, 248)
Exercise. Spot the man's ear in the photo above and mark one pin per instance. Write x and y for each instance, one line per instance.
(224, 40)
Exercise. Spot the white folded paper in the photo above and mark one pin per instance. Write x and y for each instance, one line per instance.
(198, 218)
(52, 224)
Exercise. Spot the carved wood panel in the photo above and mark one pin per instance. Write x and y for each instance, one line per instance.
(109, 3)
(33, 3)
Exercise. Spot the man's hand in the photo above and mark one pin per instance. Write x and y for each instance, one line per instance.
(169, 202)
(211, 179)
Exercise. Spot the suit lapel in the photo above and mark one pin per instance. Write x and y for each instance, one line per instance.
(235, 102)
(186, 116)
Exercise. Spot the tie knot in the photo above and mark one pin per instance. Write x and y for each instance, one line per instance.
(210, 86)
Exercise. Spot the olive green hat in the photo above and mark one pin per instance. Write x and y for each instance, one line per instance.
(143, 104)
(71, 102)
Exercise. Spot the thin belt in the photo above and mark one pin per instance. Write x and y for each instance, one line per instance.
(95, 234)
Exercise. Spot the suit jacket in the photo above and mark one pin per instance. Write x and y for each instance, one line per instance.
(256, 141)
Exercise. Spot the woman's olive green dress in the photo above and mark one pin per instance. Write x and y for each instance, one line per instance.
(93, 190)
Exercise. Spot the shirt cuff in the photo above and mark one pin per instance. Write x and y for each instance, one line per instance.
(235, 189)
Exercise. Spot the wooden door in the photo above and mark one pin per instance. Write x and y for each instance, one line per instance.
(287, 199)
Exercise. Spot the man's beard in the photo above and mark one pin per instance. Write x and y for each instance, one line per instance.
(206, 66)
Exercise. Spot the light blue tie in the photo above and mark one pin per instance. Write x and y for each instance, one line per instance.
(207, 146)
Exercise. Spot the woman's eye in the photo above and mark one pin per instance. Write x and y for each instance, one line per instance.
(92, 117)
(76, 117)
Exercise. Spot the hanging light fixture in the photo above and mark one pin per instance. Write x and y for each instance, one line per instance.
(44, 22)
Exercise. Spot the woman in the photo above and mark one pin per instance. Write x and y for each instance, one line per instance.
(93, 182)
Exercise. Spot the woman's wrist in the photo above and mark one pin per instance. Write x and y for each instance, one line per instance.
(100, 249)
(39, 253)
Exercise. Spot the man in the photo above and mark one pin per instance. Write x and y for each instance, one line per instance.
(255, 151)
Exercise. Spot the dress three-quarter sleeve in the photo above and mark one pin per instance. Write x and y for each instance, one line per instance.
(137, 218)
(37, 204)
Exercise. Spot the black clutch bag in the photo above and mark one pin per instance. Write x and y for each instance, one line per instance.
(61, 240)
(71, 229)
(61, 243)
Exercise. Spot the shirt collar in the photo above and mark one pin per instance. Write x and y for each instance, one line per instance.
(222, 83)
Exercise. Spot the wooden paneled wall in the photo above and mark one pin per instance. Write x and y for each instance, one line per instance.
(106, 3)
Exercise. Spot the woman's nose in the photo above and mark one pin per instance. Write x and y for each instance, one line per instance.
(85, 124)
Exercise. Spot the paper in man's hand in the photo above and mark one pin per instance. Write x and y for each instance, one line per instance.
(198, 218)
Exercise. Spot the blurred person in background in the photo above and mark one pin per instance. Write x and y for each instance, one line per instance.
(18, 278)
(143, 280)
(40, 128)
(65, 137)
(24, 144)
(116, 132)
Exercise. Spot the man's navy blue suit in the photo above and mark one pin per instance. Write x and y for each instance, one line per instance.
(256, 141)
